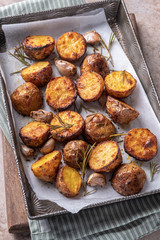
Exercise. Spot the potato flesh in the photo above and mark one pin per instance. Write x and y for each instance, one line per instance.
(46, 158)
(35, 67)
(39, 40)
(35, 129)
(72, 179)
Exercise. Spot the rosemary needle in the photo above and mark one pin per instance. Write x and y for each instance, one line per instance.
(154, 168)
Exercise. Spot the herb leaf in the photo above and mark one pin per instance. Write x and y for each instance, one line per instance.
(154, 168)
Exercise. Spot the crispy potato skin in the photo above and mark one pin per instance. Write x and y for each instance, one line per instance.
(46, 167)
(69, 117)
(62, 185)
(128, 179)
(98, 128)
(105, 157)
(71, 46)
(73, 153)
(141, 144)
(120, 84)
(34, 134)
(119, 111)
(95, 63)
(26, 98)
(60, 93)
(90, 86)
(38, 73)
(38, 47)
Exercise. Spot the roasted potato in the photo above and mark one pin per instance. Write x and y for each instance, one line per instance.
(92, 37)
(71, 46)
(38, 73)
(46, 167)
(65, 68)
(128, 179)
(38, 47)
(73, 153)
(67, 125)
(26, 98)
(90, 86)
(95, 63)
(41, 116)
(120, 112)
(103, 99)
(48, 146)
(60, 93)
(141, 144)
(34, 134)
(120, 84)
(105, 157)
(98, 128)
(68, 181)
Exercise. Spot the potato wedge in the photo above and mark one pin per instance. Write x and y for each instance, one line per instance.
(90, 86)
(120, 84)
(98, 128)
(26, 98)
(65, 68)
(119, 111)
(68, 181)
(141, 144)
(73, 153)
(38, 47)
(105, 157)
(46, 167)
(128, 179)
(64, 133)
(38, 73)
(95, 63)
(34, 134)
(71, 46)
(60, 93)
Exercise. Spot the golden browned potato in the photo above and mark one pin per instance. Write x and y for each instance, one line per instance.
(105, 157)
(41, 116)
(38, 73)
(98, 128)
(90, 86)
(67, 125)
(120, 84)
(38, 47)
(120, 112)
(68, 181)
(46, 167)
(71, 46)
(92, 37)
(73, 153)
(128, 179)
(141, 144)
(95, 63)
(60, 93)
(65, 68)
(34, 134)
(26, 98)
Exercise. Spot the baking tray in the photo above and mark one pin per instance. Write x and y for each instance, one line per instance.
(118, 19)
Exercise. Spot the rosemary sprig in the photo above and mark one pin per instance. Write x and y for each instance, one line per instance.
(111, 40)
(86, 193)
(16, 72)
(118, 134)
(63, 125)
(82, 106)
(154, 168)
(108, 50)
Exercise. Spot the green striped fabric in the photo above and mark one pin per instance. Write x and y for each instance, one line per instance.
(127, 220)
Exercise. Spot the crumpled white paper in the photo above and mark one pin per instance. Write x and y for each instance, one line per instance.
(94, 20)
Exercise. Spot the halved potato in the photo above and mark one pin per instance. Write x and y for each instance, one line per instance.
(98, 128)
(72, 119)
(71, 46)
(38, 73)
(120, 84)
(105, 157)
(73, 153)
(46, 167)
(38, 47)
(68, 181)
(95, 63)
(90, 86)
(60, 93)
(128, 179)
(141, 144)
(120, 112)
(34, 134)
(26, 98)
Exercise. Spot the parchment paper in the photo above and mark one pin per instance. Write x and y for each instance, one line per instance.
(94, 20)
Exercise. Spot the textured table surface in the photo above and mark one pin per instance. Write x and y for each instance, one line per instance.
(148, 16)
